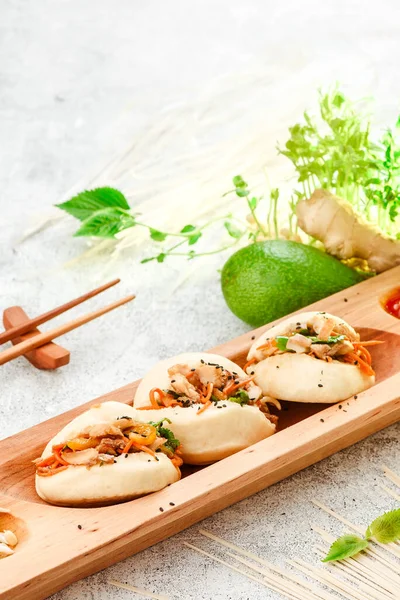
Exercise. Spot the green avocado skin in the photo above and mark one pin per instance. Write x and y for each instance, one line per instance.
(267, 280)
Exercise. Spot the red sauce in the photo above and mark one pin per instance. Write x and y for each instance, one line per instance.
(391, 302)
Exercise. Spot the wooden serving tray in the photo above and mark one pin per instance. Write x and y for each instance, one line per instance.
(60, 545)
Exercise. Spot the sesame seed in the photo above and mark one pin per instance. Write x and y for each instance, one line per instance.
(322, 420)
(192, 370)
(253, 337)
(161, 509)
(79, 526)
(173, 380)
(320, 385)
(252, 372)
(277, 366)
(340, 406)
(202, 361)
(219, 406)
(355, 397)
(345, 299)
(172, 503)
(126, 455)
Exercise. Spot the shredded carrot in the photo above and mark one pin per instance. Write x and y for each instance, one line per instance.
(355, 359)
(169, 401)
(128, 447)
(58, 447)
(176, 461)
(143, 449)
(52, 472)
(250, 362)
(209, 392)
(59, 457)
(204, 407)
(269, 344)
(235, 386)
(365, 355)
(152, 397)
(46, 462)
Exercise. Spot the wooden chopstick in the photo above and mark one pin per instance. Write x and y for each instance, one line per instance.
(44, 338)
(18, 330)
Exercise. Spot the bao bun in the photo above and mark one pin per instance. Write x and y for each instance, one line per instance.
(217, 432)
(303, 378)
(125, 479)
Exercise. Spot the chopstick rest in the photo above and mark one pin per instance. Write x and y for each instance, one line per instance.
(50, 356)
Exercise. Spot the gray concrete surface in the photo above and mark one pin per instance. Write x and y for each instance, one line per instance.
(67, 70)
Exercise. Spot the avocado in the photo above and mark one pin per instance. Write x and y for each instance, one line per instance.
(267, 280)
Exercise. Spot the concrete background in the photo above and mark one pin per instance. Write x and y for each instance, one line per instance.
(68, 70)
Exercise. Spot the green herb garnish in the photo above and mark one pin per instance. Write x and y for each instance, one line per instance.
(345, 547)
(333, 150)
(241, 397)
(332, 339)
(384, 529)
(172, 442)
(281, 342)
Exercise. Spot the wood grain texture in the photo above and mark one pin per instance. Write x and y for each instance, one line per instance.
(306, 435)
(50, 356)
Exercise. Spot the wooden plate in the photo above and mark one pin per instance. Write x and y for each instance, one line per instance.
(61, 545)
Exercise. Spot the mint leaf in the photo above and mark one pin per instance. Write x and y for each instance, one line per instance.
(344, 547)
(105, 223)
(161, 257)
(386, 528)
(187, 229)
(83, 205)
(232, 230)
(157, 236)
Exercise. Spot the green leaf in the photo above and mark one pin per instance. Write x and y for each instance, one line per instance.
(146, 260)
(281, 342)
(241, 397)
(386, 528)
(86, 203)
(274, 194)
(172, 443)
(344, 547)
(105, 223)
(188, 229)
(161, 257)
(332, 339)
(232, 230)
(239, 182)
(157, 236)
(253, 203)
(193, 238)
(242, 192)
